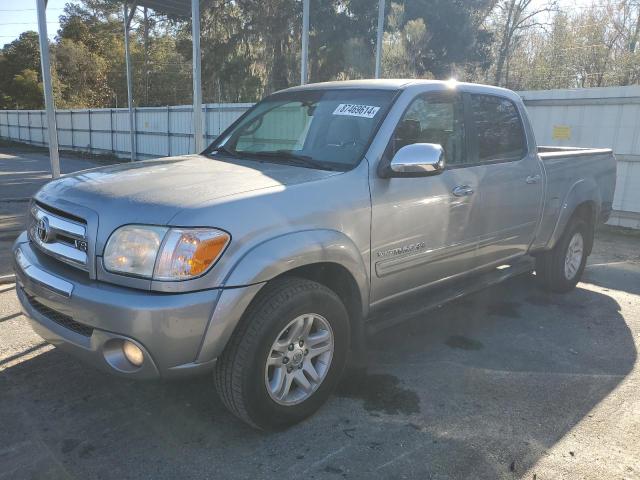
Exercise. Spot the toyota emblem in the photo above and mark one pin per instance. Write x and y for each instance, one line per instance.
(43, 231)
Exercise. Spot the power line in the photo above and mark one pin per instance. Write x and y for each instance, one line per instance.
(24, 23)
(28, 9)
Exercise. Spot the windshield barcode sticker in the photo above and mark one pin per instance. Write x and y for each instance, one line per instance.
(366, 111)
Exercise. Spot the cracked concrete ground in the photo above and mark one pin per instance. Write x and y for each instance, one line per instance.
(508, 383)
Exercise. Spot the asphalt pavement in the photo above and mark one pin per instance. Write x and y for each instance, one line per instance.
(508, 383)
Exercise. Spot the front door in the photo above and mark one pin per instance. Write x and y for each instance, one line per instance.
(420, 231)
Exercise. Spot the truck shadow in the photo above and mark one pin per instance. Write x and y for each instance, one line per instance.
(480, 388)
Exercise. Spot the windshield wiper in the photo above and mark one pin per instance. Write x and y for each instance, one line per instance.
(225, 150)
(289, 157)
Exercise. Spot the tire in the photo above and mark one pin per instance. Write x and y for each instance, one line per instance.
(284, 308)
(555, 271)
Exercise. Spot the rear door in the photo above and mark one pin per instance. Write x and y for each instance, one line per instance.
(510, 190)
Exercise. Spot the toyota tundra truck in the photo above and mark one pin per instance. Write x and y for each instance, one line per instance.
(325, 213)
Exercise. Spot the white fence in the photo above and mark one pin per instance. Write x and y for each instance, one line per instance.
(596, 117)
(160, 131)
(593, 117)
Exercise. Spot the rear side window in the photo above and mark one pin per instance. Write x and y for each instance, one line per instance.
(498, 129)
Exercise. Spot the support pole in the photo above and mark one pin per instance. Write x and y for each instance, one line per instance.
(380, 35)
(197, 77)
(127, 54)
(305, 42)
(45, 65)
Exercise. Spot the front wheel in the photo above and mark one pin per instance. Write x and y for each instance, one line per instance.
(286, 356)
(560, 269)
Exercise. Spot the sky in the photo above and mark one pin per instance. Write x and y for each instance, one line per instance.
(17, 16)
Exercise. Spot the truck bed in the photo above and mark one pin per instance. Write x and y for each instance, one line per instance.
(573, 175)
(548, 152)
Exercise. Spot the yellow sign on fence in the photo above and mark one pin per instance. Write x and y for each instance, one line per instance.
(561, 132)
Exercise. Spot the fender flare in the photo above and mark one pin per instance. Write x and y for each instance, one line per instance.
(284, 253)
(582, 191)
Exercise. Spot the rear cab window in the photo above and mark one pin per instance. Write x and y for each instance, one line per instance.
(498, 129)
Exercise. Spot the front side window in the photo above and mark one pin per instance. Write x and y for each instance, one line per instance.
(498, 129)
(435, 119)
(322, 128)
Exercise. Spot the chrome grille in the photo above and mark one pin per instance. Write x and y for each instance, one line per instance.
(61, 236)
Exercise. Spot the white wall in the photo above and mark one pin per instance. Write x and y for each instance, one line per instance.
(160, 131)
(596, 117)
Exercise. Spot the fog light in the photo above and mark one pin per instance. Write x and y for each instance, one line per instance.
(133, 353)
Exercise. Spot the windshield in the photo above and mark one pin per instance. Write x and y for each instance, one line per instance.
(314, 128)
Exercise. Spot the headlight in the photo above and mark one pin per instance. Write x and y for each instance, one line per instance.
(162, 253)
(132, 249)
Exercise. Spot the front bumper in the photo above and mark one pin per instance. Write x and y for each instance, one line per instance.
(90, 319)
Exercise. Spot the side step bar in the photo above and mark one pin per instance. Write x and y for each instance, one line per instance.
(433, 298)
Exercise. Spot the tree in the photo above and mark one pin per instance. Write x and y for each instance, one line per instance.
(514, 18)
(403, 44)
(27, 90)
(589, 47)
(454, 35)
(19, 62)
(84, 74)
(251, 48)
(436, 38)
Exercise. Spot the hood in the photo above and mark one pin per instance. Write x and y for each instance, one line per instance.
(153, 191)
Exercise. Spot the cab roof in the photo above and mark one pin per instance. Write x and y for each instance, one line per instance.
(377, 84)
(401, 84)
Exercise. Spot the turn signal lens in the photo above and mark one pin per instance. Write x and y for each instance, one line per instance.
(206, 253)
(188, 253)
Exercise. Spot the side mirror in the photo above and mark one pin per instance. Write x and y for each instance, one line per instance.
(417, 160)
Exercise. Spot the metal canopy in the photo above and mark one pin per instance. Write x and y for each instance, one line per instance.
(48, 89)
(133, 144)
(175, 8)
(379, 37)
(304, 56)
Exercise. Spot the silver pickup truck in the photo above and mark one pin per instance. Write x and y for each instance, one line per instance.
(269, 257)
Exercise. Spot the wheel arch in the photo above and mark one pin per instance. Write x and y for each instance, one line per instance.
(583, 200)
(328, 257)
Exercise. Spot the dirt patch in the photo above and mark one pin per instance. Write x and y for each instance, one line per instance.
(380, 393)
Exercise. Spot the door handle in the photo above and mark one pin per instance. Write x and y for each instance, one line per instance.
(463, 191)
(533, 179)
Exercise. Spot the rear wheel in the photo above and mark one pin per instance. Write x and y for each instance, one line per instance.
(560, 269)
(286, 356)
